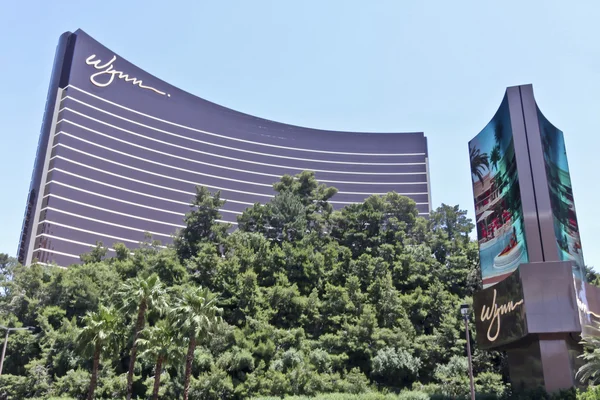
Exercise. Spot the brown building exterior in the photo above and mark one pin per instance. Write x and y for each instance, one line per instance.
(121, 152)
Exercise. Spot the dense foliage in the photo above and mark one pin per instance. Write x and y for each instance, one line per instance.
(364, 300)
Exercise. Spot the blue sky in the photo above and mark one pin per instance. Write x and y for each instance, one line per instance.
(437, 66)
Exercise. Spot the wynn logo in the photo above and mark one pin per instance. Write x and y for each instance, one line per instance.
(494, 313)
(108, 72)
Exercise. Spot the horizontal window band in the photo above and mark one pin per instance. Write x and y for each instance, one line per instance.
(152, 173)
(108, 198)
(72, 241)
(103, 222)
(62, 110)
(191, 194)
(48, 221)
(117, 225)
(278, 177)
(218, 135)
(67, 121)
(160, 198)
(89, 245)
(119, 213)
(130, 203)
(151, 162)
(185, 180)
(50, 265)
(57, 252)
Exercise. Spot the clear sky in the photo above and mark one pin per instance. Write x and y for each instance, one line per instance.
(440, 67)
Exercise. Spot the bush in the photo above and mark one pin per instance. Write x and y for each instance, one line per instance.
(413, 395)
(320, 359)
(395, 366)
(354, 382)
(592, 393)
(490, 383)
(111, 386)
(12, 387)
(213, 385)
(75, 383)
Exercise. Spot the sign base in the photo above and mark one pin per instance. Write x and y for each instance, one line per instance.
(537, 316)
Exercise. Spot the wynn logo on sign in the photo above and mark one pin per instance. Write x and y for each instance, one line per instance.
(494, 313)
(109, 73)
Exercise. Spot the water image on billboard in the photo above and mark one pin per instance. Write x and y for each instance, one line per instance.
(498, 211)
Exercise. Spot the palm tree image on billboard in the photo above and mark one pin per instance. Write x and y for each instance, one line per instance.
(498, 211)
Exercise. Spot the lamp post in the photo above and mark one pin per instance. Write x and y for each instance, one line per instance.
(464, 310)
(8, 330)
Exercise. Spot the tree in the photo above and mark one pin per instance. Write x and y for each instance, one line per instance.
(318, 300)
(495, 156)
(100, 335)
(159, 344)
(201, 224)
(95, 255)
(498, 132)
(141, 294)
(479, 163)
(7, 265)
(395, 366)
(590, 370)
(196, 314)
(453, 221)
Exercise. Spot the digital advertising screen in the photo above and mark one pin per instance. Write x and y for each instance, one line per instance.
(566, 227)
(498, 210)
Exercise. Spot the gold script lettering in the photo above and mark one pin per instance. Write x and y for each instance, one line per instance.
(107, 70)
(494, 312)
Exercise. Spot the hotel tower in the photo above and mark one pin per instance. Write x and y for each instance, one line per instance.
(121, 152)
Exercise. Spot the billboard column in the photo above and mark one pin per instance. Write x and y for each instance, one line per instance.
(534, 304)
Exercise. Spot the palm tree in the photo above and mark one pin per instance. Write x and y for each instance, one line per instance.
(498, 132)
(100, 335)
(142, 295)
(159, 344)
(590, 371)
(495, 156)
(479, 163)
(196, 314)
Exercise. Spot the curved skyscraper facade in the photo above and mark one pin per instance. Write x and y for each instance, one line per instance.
(121, 152)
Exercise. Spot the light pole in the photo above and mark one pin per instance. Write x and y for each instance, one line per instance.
(8, 330)
(464, 310)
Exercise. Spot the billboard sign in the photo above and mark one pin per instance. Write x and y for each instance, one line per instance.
(498, 209)
(566, 227)
(500, 313)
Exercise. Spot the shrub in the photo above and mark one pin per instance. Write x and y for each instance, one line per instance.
(213, 385)
(592, 393)
(395, 366)
(413, 395)
(12, 387)
(75, 383)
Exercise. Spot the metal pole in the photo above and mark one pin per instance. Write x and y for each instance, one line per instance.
(27, 328)
(469, 357)
(4, 351)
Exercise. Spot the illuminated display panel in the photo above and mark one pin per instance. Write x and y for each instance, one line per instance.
(498, 208)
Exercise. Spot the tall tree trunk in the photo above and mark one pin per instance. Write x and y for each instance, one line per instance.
(157, 371)
(139, 325)
(95, 365)
(188, 366)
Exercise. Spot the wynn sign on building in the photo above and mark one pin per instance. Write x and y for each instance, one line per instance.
(121, 152)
